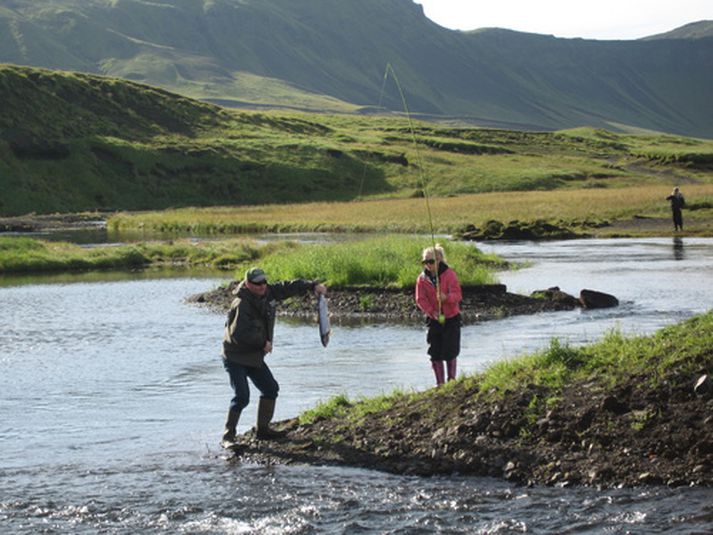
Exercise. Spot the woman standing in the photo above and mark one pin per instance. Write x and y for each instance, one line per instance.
(442, 312)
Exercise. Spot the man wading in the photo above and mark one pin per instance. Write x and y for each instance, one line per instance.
(248, 339)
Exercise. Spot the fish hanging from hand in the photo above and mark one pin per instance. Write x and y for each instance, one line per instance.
(324, 328)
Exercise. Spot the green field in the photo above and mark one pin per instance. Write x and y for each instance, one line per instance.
(73, 142)
(583, 209)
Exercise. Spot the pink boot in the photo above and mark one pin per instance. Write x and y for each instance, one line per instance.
(451, 369)
(439, 372)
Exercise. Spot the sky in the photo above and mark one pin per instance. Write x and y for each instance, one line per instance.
(589, 19)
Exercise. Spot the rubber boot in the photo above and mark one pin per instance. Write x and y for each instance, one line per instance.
(438, 371)
(265, 410)
(230, 424)
(451, 367)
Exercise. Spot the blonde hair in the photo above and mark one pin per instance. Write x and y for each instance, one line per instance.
(436, 252)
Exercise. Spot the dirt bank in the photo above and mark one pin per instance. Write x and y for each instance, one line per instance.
(480, 303)
(632, 435)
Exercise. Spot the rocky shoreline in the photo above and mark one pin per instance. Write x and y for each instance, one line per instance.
(629, 437)
(480, 303)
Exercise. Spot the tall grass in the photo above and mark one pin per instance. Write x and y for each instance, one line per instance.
(409, 215)
(685, 347)
(391, 262)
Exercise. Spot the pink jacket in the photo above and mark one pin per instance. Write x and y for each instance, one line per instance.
(426, 294)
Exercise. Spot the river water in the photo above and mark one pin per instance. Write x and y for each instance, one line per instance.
(112, 398)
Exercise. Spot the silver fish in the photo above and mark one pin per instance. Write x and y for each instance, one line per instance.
(324, 328)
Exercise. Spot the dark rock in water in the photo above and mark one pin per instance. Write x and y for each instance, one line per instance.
(556, 295)
(704, 386)
(595, 299)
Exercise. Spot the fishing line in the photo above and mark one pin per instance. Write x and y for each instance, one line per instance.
(381, 98)
(422, 176)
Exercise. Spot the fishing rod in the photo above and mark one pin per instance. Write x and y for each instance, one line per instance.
(424, 185)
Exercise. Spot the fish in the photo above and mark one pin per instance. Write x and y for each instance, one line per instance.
(324, 329)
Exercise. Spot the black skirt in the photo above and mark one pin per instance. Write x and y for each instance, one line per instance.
(444, 340)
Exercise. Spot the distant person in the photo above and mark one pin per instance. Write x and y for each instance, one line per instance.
(677, 203)
(443, 321)
(247, 340)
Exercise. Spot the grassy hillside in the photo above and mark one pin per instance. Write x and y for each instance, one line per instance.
(331, 55)
(74, 142)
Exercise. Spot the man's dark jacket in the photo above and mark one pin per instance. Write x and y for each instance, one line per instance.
(251, 321)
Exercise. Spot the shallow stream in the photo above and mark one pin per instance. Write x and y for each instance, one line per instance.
(113, 397)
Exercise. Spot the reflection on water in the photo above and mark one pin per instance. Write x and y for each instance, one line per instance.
(113, 398)
(678, 251)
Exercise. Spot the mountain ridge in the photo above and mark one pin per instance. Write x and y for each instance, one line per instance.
(330, 56)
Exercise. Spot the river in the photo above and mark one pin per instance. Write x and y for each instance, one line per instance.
(113, 398)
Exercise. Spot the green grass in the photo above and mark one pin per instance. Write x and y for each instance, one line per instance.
(86, 143)
(392, 261)
(573, 207)
(18, 255)
(354, 412)
(615, 358)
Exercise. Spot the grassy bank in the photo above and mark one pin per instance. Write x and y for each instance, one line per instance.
(625, 411)
(578, 208)
(379, 262)
(682, 349)
(20, 255)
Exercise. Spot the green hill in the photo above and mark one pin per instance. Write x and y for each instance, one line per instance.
(330, 55)
(72, 142)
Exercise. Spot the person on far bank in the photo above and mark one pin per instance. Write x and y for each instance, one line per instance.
(247, 340)
(677, 203)
(443, 336)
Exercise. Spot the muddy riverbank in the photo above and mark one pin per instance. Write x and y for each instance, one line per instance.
(480, 303)
(52, 222)
(653, 427)
(628, 437)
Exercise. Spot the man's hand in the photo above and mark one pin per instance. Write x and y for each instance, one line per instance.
(268, 347)
(320, 289)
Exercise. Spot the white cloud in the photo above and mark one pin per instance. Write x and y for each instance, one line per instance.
(602, 19)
